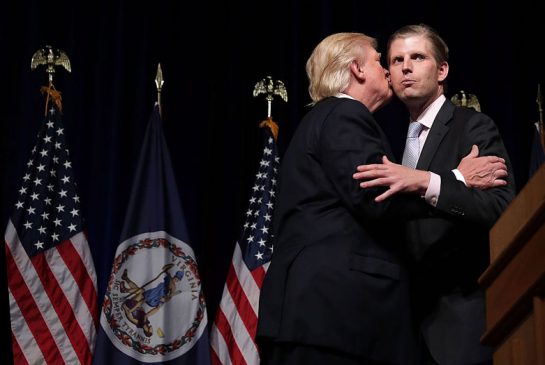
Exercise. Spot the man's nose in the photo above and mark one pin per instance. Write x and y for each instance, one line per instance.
(406, 65)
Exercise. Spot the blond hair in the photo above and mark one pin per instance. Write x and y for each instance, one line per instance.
(328, 67)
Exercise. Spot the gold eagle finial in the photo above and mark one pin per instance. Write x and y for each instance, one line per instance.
(468, 101)
(50, 58)
(270, 88)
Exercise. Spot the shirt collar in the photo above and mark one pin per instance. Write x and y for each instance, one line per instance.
(343, 95)
(428, 116)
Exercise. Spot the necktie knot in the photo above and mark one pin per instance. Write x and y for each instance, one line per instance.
(414, 129)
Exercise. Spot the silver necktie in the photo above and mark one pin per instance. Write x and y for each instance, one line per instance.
(412, 145)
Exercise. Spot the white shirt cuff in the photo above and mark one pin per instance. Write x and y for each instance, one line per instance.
(459, 176)
(434, 189)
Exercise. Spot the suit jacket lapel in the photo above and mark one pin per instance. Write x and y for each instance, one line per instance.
(437, 132)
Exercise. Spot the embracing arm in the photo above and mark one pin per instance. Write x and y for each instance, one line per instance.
(477, 205)
(350, 138)
(493, 187)
(478, 172)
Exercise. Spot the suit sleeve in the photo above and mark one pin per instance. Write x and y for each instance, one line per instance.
(479, 206)
(350, 137)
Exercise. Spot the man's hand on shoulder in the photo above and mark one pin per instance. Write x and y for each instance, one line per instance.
(483, 172)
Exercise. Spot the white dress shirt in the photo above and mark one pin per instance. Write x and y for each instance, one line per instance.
(426, 118)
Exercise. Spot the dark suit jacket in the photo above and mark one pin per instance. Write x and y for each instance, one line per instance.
(337, 276)
(452, 252)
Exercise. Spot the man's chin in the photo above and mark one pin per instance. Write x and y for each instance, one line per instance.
(407, 96)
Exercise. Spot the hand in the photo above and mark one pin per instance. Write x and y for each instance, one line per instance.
(483, 172)
(398, 178)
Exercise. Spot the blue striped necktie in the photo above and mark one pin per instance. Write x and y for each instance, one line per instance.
(412, 145)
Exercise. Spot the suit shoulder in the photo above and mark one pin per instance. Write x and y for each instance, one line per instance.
(469, 112)
(351, 104)
(463, 114)
(338, 113)
(349, 108)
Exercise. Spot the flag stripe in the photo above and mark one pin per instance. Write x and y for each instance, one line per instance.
(71, 255)
(18, 356)
(237, 292)
(31, 312)
(244, 278)
(76, 317)
(213, 357)
(22, 335)
(86, 280)
(259, 274)
(244, 309)
(234, 354)
(245, 341)
(45, 265)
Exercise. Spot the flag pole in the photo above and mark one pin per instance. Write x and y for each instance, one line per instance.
(539, 102)
(233, 333)
(270, 88)
(159, 84)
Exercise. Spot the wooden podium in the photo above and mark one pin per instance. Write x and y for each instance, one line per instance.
(515, 280)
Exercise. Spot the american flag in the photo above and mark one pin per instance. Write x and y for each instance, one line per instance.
(233, 332)
(50, 270)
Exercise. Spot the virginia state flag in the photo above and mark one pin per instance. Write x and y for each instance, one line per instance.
(154, 309)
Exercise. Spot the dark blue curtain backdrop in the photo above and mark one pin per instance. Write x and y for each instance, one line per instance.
(212, 54)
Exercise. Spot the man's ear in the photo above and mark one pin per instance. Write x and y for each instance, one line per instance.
(357, 70)
(443, 71)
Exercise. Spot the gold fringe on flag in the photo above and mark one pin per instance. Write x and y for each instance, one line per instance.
(52, 93)
(269, 122)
